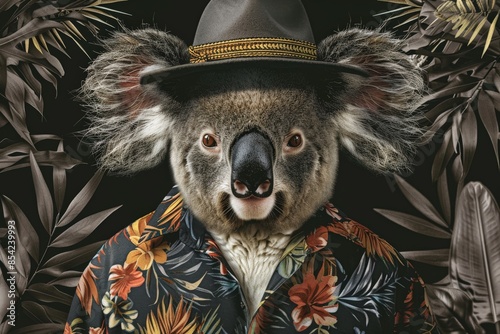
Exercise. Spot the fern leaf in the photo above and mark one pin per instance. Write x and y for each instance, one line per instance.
(490, 34)
(477, 30)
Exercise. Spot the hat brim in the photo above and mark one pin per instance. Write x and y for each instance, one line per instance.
(317, 68)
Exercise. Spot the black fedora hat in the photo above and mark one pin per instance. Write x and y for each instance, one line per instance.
(263, 33)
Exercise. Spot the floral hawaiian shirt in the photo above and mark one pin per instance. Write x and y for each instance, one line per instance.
(165, 274)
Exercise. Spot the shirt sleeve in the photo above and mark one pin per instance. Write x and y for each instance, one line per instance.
(85, 314)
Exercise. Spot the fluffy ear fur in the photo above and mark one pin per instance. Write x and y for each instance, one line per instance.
(129, 123)
(379, 117)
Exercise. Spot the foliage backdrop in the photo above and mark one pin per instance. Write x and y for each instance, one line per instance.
(444, 216)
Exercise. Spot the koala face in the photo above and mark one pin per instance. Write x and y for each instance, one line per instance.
(254, 151)
(253, 145)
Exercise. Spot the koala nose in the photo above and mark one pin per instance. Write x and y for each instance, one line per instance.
(252, 157)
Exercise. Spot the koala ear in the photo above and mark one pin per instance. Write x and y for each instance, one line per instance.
(129, 123)
(378, 116)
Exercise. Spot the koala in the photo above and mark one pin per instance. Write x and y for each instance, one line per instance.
(254, 152)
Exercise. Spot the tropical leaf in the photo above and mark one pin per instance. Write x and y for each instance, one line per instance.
(81, 229)
(475, 251)
(420, 202)
(467, 17)
(68, 279)
(453, 310)
(68, 260)
(444, 197)
(81, 200)
(49, 294)
(416, 224)
(434, 257)
(43, 196)
(4, 290)
(486, 109)
(408, 8)
(43, 313)
(46, 328)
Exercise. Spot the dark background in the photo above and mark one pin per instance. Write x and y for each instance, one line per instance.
(358, 191)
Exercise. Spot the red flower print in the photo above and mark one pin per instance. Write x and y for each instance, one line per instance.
(214, 252)
(315, 300)
(317, 239)
(125, 278)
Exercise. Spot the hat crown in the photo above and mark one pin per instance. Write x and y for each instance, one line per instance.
(224, 20)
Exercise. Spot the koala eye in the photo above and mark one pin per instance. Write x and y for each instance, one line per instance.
(209, 141)
(294, 141)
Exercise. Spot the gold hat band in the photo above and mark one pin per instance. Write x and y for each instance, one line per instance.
(253, 47)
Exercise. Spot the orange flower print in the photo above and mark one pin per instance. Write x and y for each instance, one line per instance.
(147, 252)
(318, 239)
(315, 300)
(125, 278)
(97, 330)
(74, 328)
(136, 228)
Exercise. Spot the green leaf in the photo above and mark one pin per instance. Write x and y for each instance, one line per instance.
(81, 229)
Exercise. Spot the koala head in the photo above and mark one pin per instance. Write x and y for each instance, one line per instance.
(253, 145)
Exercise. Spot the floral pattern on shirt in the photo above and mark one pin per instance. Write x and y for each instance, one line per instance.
(165, 274)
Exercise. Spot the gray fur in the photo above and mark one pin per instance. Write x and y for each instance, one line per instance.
(375, 118)
(128, 123)
(380, 123)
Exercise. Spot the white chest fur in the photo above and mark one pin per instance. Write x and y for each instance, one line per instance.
(253, 256)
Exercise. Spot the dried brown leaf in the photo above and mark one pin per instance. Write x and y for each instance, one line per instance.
(26, 234)
(81, 229)
(475, 250)
(469, 138)
(43, 196)
(81, 199)
(444, 197)
(486, 109)
(65, 261)
(419, 201)
(442, 156)
(434, 257)
(415, 224)
(453, 310)
(490, 34)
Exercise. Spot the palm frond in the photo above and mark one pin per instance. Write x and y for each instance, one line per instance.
(468, 18)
